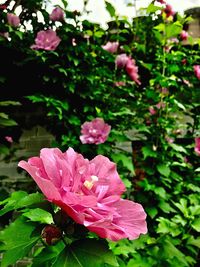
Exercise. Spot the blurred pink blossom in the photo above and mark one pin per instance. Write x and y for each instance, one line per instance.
(164, 91)
(95, 131)
(152, 110)
(57, 14)
(2, 7)
(132, 70)
(9, 139)
(161, 1)
(197, 146)
(124, 61)
(168, 10)
(184, 35)
(184, 61)
(160, 105)
(187, 83)
(46, 40)
(88, 191)
(120, 83)
(13, 19)
(170, 140)
(111, 46)
(4, 34)
(121, 61)
(174, 40)
(197, 71)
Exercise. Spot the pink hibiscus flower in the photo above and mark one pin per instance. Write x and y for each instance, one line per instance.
(111, 47)
(132, 70)
(9, 139)
(197, 146)
(197, 71)
(169, 10)
(46, 40)
(152, 110)
(184, 35)
(124, 61)
(121, 61)
(119, 83)
(57, 14)
(95, 131)
(88, 191)
(13, 19)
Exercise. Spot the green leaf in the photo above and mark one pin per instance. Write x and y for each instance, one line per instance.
(152, 212)
(173, 29)
(160, 27)
(194, 242)
(86, 253)
(152, 8)
(48, 255)
(163, 169)
(20, 199)
(8, 103)
(138, 260)
(98, 34)
(182, 206)
(110, 8)
(160, 191)
(7, 122)
(11, 201)
(165, 207)
(196, 224)
(17, 241)
(169, 251)
(4, 150)
(31, 199)
(126, 161)
(166, 226)
(148, 152)
(39, 215)
(180, 105)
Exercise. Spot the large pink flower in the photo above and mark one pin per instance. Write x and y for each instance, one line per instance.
(88, 191)
(13, 19)
(111, 47)
(197, 71)
(197, 146)
(46, 40)
(95, 131)
(57, 14)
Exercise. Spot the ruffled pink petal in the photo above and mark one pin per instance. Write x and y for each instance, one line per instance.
(132, 218)
(106, 171)
(129, 222)
(46, 186)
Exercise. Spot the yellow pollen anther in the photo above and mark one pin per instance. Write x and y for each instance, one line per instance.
(88, 184)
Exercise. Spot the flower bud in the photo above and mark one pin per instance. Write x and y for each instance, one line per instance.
(51, 234)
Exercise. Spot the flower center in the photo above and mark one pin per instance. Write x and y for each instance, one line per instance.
(89, 184)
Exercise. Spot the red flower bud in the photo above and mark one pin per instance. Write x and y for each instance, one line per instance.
(51, 234)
